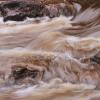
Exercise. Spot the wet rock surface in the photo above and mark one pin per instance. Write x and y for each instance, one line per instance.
(96, 58)
(18, 10)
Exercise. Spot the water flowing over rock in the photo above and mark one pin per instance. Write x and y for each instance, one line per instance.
(50, 56)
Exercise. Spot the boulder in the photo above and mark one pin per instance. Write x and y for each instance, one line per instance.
(19, 10)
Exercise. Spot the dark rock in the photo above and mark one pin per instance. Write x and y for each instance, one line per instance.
(55, 10)
(96, 58)
(20, 74)
(18, 10)
(23, 73)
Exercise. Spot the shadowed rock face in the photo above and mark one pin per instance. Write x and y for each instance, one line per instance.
(18, 10)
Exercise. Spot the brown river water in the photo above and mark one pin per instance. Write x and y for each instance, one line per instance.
(60, 46)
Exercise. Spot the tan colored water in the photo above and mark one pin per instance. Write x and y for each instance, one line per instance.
(60, 42)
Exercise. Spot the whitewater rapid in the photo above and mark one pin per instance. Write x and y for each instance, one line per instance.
(46, 35)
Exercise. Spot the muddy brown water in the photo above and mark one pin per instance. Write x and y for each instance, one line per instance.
(78, 39)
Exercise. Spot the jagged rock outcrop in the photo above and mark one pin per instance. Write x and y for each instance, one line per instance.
(18, 10)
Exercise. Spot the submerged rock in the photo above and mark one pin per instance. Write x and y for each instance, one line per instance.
(18, 10)
(96, 58)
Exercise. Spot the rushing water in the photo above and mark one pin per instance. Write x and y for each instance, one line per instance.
(67, 42)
